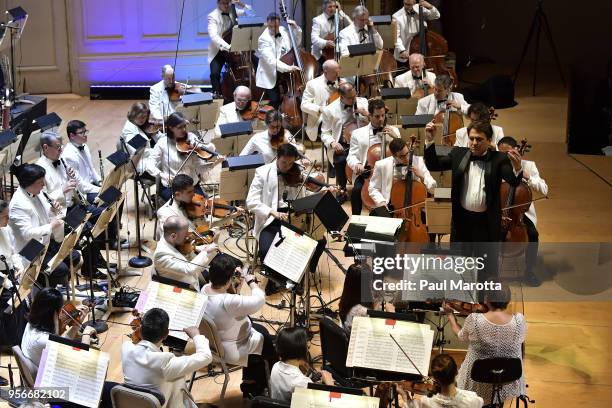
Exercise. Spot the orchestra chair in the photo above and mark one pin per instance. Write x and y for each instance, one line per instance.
(158, 202)
(27, 370)
(265, 402)
(131, 396)
(497, 372)
(209, 330)
(147, 183)
(334, 347)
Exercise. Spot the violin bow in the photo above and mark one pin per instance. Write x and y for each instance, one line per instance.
(407, 356)
(522, 204)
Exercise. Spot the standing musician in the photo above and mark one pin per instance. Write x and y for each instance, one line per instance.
(407, 20)
(532, 176)
(137, 123)
(268, 141)
(159, 99)
(145, 364)
(231, 112)
(317, 95)
(360, 32)
(268, 198)
(417, 76)
(391, 167)
(176, 261)
(361, 140)
(442, 98)
(166, 161)
(273, 43)
(333, 119)
(324, 28)
(479, 112)
(31, 216)
(220, 22)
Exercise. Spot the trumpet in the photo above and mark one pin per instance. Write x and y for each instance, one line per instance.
(78, 196)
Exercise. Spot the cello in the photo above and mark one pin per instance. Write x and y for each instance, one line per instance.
(515, 202)
(292, 83)
(408, 198)
(375, 153)
(450, 120)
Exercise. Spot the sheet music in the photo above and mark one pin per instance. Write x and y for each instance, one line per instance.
(82, 372)
(184, 307)
(292, 256)
(378, 225)
(306, 398)
(371, 345)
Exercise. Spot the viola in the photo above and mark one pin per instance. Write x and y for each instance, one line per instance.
(200, 207)
(179, 89)
(385, 391)
(255, 110)
(355, 122)
(69, 315)
(515, 202)
(183, 145)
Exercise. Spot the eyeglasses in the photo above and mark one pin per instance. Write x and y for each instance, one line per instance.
(82, 132)
(58, 147)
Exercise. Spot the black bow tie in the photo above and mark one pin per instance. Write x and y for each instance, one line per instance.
(55, 163)
(278, 35)
(225, 14)
(376, 130)
(81, 147)
(483, 158)
(417, 77)
(331, 83)
(411, 12)
(347, 107)
(331, 18)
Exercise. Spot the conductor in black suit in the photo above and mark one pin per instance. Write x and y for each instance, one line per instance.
(477, 175)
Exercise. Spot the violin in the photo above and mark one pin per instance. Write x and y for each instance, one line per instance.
(515, 201)
(312, 181)
(183, 145)
(466, 307)
(200, 207)
(69, 315)
(179, 89)
(255, 110)
(422, 89)
(136, 325)
(385, 391)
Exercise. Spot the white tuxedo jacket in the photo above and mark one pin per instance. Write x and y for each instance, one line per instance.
(331, 123)
(314, 99)
(361, 140)
(83, 165)
(170, 263)
(382, 178)
(461, 136)
(128, 132)
(405, 80)
(216, 29)
(29, 220)
(263, 196)
(429, 105)
(146, 366)
(408, 27)
(536, 183)
(227, 114)
(321, 27)
(159, 102)
(270, 50)
(350, 36)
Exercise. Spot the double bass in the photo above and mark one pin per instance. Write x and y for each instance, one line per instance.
(408, 198)
(515, 201)
(292, 83)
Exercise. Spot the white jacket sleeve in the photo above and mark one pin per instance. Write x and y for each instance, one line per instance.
(84, 186)
(21, 221)
(253, 200)
(153, 164)
(343, 40)
(535, 181)
(155, 103)
(248, 148)
(266, 51)
(423, 172)
(213, 31)
(353, 158)
(378, 41)
(308, 100)
(327, 132)
(399, 44)
(242, 305)
(178, 367)
(375, 186)
(315, 35)
(431, 14)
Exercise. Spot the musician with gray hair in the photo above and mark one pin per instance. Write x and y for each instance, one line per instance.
(442, 98)
(362, 31)
(324, 28)
(159, 100)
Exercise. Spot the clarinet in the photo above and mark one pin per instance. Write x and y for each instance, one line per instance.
(101, 164)
(77, 194)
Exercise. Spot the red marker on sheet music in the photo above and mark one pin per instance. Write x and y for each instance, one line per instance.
(177, 290)
(334, 395)
(76, 349)
(390, 322)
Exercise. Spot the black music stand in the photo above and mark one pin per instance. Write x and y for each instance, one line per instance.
(497, 372)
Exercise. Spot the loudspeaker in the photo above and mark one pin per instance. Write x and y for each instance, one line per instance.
(326, 207)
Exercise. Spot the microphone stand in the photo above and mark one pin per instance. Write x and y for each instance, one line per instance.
(139, 261)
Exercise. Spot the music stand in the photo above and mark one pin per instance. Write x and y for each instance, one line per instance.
(236, 174)
(14, 28)
(34, 253)
(386, 27)
(497, 372)
(234, 136)
(363, 59)
(397, 101)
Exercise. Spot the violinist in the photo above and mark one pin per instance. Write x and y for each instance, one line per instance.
(495, 333)
(323, 31)
(268, 141)
(245, 343)
(444, 371)
(273, 43)
(348, 108)
(407, 20)
(145, 365)
(531, 176)
(159, 98)
(268, 199)
(172, 261)
(417, 77)
(165, 159)
(137, 123)
(183, 191)
(290, 372)
(479, 112)
(232, 112)
(394, 167)
(442, 98)
(220, 22)
(361, 140)
(317, 95)
(360, 32)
